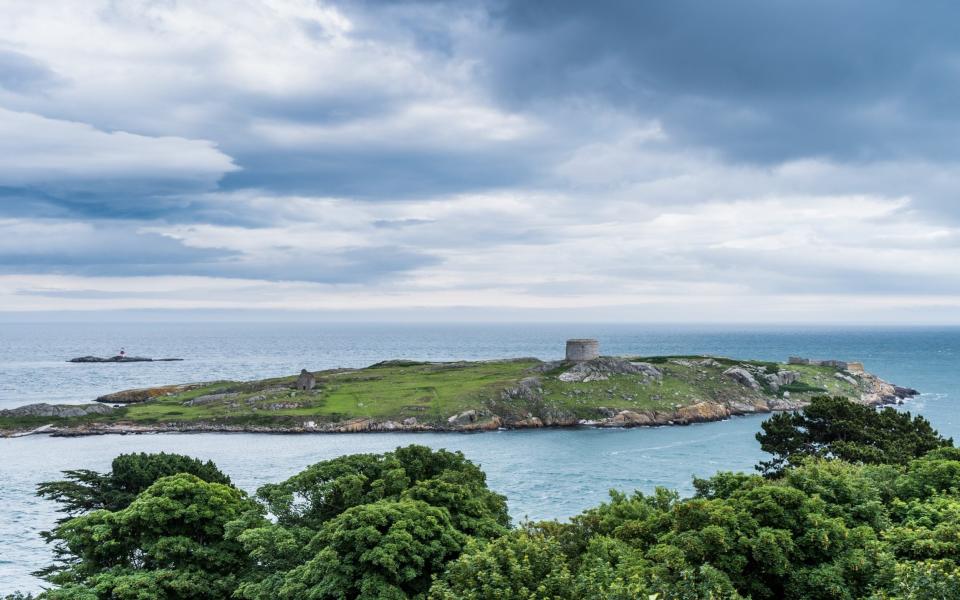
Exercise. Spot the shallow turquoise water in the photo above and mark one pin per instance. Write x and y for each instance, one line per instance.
(545, 474)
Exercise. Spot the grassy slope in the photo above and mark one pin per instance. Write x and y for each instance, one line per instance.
(431, 392)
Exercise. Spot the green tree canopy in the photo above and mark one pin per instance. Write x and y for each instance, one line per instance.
(442, 478)
(84, 490)
(837, 428)
(170, 542)
(522, 564)
(385, 550)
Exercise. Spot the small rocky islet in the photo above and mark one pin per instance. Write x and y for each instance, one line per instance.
(584, 389)
(120, 359)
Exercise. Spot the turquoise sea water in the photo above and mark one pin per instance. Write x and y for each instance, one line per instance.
(545, 474)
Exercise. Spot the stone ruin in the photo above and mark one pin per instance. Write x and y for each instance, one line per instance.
(582, 350)
(837, 364)
(855, 367)
(306, 381)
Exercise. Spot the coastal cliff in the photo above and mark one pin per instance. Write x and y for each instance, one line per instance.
(469, 396)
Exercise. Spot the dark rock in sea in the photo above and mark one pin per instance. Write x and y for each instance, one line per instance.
(120, 359)
(905, 392)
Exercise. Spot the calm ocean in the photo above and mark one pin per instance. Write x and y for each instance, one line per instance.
(544, 474)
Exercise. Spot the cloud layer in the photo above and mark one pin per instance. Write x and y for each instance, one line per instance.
(666, 161)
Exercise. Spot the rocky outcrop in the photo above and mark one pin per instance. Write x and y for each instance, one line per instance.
(528, 390)
(877, 391)
(144, 394)
(57, 410)
(627, 418)
(702, 412)
(210, 399)
(742, 376)
(120, 359)
(464, 418)
(775, 381)
(602, 368)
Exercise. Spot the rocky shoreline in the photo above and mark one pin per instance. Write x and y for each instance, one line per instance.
(875, 392)
(583, 390)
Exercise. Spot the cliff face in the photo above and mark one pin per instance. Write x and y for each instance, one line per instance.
(471, 396)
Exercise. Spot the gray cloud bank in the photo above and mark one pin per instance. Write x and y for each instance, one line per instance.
(491, 154)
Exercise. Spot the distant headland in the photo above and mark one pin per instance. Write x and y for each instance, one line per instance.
(585, 389)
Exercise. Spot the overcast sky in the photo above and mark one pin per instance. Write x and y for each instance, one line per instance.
(758, 161)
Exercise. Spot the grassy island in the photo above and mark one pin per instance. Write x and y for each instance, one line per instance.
(405, 395)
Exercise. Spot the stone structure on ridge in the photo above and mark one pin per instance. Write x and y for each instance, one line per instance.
(582, 350)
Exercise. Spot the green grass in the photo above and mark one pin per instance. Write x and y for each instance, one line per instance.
(428, 391)
(801, 387)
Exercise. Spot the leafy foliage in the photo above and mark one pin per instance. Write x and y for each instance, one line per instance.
(383, 550)
(170, 542)
(350, 492)
(521, 564)
(834, 427)
(84, 491)
(420, 524)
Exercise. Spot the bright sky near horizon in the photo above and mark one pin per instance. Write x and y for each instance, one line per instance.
(762, 161)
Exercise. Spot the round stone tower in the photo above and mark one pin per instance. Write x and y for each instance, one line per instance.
(581, 350)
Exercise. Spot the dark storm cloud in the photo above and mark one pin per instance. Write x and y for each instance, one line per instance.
(757, 80)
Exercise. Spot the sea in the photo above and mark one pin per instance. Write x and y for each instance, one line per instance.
(545, 474)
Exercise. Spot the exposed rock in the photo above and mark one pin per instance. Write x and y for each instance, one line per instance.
(209, 399)
(905, 392)
(144, 394)
(527, 423)
(553, 416)
(601, 368)
(283, 405)
(57, 410)
(780, 378)
(877, 391)
(629, 418)
(648, 370)
(779, 404)
(702, 412)
(306, 381)
(739, 407)
(410, 421)
(528, 390)
(463, 418)
(488, 425)
(742, 376)
(846, 378)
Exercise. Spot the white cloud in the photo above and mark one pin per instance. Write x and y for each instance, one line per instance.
(39, 151)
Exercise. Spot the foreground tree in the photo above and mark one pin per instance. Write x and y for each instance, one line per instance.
(367, 507)
(837, 428)
(83, 490)
(523, 564)
(170, 542)
(387, 550)
(418, 524)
